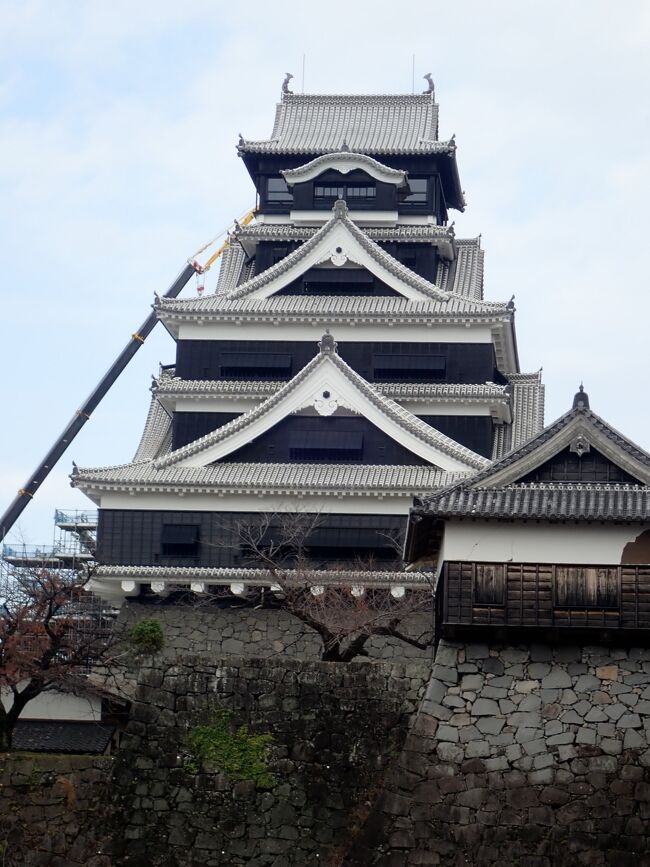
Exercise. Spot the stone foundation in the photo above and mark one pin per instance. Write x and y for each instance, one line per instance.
(529, 756)
(55, 810)
(263, 633)
(335, 729)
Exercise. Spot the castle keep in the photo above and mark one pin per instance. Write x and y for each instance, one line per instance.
(346, 363)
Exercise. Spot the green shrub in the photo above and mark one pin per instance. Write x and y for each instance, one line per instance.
(233, 751)
(147, 636)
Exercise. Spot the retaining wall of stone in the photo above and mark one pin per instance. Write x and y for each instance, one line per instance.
(335, 730)
(532, 756)
(214, 632)
(55, 810)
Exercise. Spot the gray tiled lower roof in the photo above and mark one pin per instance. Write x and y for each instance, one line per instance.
(156, 437)
(232, 266)
(314, 478)
(62, 736)
(619, 503)
(332, 308)
(527, 393)
(467, 270)
(261, 577)
(381, 124)
(170, 385)
(290, 232)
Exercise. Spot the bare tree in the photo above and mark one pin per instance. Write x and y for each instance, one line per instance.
(51, 632)
(342, 604)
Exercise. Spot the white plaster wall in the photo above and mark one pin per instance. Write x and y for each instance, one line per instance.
(484, 541)
(364, 332)
(59, 706)
(371, 503)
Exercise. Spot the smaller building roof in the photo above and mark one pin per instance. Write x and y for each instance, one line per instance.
(62, 736)
(500, 491)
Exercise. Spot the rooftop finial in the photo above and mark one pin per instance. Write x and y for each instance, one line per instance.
(581, 399)
(340, 209)
(327, 344)
(345, 147)
(285, 84)
(431, 88)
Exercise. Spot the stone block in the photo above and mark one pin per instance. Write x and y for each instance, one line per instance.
(485, 707)
(536, 747)
(607, 672)
(449, 752)
(586, 735)
(633, 740)
(538, 670)
(492, 665)
(446, 674)
(447, 733)
(629, 721)
(490, 725)
(557, 678)
(436, 690)
(542, 777)
(477, 749)
(477, 651)
(611, 746)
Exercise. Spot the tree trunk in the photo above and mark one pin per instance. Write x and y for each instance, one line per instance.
(7, 726)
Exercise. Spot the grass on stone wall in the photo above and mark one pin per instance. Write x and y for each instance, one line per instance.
(147, 636)
(232, 750)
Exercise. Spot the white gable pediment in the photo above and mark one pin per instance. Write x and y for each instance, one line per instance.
(338, 243)
(326, 384)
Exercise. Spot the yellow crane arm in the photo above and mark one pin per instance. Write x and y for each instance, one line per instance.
(201, 269)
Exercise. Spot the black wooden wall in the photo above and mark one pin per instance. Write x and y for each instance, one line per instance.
(463, 362)
(135, 537)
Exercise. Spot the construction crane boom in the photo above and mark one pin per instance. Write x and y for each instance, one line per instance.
(79, 419)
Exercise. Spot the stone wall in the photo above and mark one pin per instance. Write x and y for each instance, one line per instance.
(535, 756)
(262, 633)
(335, 730)
(55, 810)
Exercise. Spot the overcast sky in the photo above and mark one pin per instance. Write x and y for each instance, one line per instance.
(118, 125)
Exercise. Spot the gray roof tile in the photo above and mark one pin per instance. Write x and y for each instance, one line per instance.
(267, 477)
(381, 124)
(184, 575)
(156, 437)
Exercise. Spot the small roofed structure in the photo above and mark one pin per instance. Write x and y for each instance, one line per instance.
(552, 539)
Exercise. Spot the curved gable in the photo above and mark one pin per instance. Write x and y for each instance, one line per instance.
(338, 242)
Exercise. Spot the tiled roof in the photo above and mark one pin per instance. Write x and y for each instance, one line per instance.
(333, 308)
(527, 394)
(548, 502)
(157, 434)
(496, 491)
(467, 270)
(528, 406)
(170, 385)
(382, 124)
(61, 736)
(391, 410)
(232, 266)
(261, 577)
(318, 239)
(290, 232)
(316, 478)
